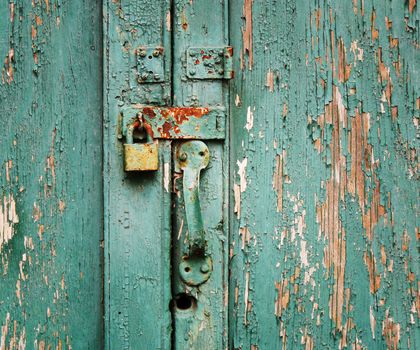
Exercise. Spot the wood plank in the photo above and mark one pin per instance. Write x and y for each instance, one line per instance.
(137, 205)
(50, 182)
(324, 120)
(200, 24)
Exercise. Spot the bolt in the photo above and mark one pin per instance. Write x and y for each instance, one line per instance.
(183, 157)
(192, 72)
(142, 53)
(156, 53)
(204, 268)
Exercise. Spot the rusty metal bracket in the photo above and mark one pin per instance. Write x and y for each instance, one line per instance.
(209, 63)
(206, 123)
(150, 64)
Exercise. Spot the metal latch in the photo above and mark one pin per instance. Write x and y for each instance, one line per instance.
(150, 123)
(210, 63)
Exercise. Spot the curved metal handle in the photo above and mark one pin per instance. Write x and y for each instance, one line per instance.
(192, 157)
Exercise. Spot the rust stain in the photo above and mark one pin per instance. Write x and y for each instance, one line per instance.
(184, 23)
(247, 33)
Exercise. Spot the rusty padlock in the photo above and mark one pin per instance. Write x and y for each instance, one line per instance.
(140, 156)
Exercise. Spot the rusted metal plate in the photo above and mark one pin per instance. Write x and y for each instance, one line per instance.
(209, 63)
(178, 122)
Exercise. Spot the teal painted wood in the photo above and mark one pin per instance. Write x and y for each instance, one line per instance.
(50, 187)
(324, 235)
(203, 326)
(137, 205)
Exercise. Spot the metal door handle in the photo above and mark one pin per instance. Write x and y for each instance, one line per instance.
(193, 156)
(196, 267)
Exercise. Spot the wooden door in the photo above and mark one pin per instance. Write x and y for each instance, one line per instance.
(51, 175)
(297, 229)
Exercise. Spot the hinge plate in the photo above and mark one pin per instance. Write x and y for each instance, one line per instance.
(209, 63)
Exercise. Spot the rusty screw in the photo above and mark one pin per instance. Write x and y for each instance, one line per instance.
(156, 53)
(142, 53)
(183, 157)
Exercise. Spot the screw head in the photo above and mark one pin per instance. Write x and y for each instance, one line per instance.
(144, 76)
(191, 72)
(156, 76)
(193, 53)
(156, 53)
(142, 53)
(183, 157)
(204, 268)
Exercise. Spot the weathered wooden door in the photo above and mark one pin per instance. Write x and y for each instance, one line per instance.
(280, 205)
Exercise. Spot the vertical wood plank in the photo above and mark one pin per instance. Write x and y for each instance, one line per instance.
(325, 110)
(137, 205)
(203, 326)
(50, 175)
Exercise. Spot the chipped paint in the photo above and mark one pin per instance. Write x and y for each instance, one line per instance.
(8, 220)
(247, 34)
(330, 175)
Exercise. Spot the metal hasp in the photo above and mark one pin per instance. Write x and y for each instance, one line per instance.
(178, 122)
(209, 63)
(150, 64)
(191, 158)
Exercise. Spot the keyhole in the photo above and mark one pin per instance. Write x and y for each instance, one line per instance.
(184, 301)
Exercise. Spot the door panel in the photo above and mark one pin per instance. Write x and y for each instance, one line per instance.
(51, 168)
(201, 24)
(324, 209)
(137, 205)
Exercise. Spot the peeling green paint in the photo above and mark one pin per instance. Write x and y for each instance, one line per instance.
(324, 140)
(50, 163)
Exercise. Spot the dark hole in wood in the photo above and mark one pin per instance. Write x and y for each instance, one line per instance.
(184, 301)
